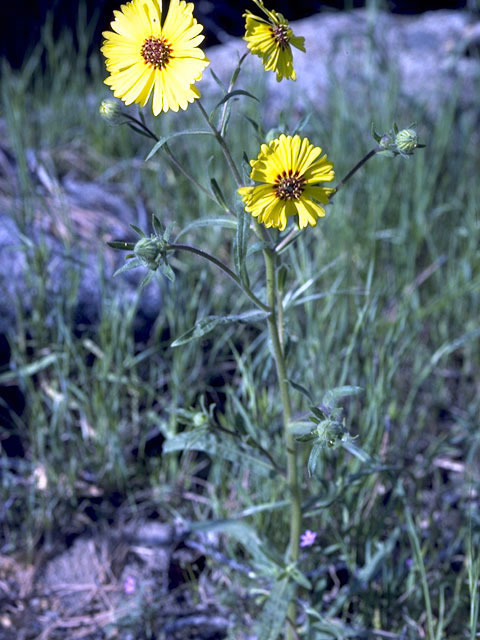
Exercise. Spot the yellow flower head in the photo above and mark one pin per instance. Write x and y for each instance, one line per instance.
(271, 39)
(144, 56)
(289, 169)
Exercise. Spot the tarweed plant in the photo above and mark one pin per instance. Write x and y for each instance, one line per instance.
(153, 53)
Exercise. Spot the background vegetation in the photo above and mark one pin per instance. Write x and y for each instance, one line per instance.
(385, 295)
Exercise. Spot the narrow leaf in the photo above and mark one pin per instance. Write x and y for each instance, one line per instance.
(272, 618)
(133, 264)
(243, 456)
(29, 369)
(138, 230)
(165, 139)
(217, 80)
(240, 246)
(227, 223)
(232, 94)
(122, 246)
(157, 225)
(330, 399)
(146, 280)
(207, 324)
(217, 192)
(313, 459)
(167, 271)
(301, 389)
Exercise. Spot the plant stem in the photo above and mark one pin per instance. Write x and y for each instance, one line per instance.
(369, 155)
(223, 145)
(292, 470)
(223, 267)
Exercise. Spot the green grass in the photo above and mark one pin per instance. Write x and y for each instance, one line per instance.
(393, 307)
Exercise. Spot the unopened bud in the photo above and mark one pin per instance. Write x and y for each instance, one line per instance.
(109, 109)
(406, 141)
(149, 251)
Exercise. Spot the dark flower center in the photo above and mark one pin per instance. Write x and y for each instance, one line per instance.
(289, 186)
(156, 52)
(280, 35)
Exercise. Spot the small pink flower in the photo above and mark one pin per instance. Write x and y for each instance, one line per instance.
(307, 538)
(129, 585)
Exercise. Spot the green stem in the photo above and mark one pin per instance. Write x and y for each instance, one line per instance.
(223, 145)
(292, 471)
(223, 267)
(187, 175)
(369, 155)
(171, 157)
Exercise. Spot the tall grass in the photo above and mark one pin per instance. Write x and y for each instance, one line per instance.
(392, 306)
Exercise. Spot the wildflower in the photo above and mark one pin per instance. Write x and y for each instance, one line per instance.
(308, 538)
(129, 585)
(290, 169)
(144, 56)
(271, 39)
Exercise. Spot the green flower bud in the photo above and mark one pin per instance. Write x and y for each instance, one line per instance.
(406, 141)
(200, 419)
(109, 109)
(149, 251)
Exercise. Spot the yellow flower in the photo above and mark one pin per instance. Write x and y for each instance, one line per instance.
(290, 169)
(271, 39)
(144, 56)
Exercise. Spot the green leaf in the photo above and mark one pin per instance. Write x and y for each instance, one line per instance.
(165, 139)
(301, 389)
(30, 369)
(227, 223)
(207, 324)
(272, 618)
(122, 246)
(300, 578)
(217, 80)
(157, 225)
(168, 231)
(200, 440)
(330, 399)
(313, 459)
(232, 94)
(240, 246)
(146, 280)
(217, 192)
(138, 230)
(133, 264)
(167, 271)
(302, 123)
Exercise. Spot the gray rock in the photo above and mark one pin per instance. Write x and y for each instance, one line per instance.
(67, 225)
(360, 50)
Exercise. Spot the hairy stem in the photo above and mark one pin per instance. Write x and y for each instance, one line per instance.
(275, 330)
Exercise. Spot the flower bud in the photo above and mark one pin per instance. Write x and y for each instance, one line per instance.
(406, 141)
(149, 251)
(109, 109)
